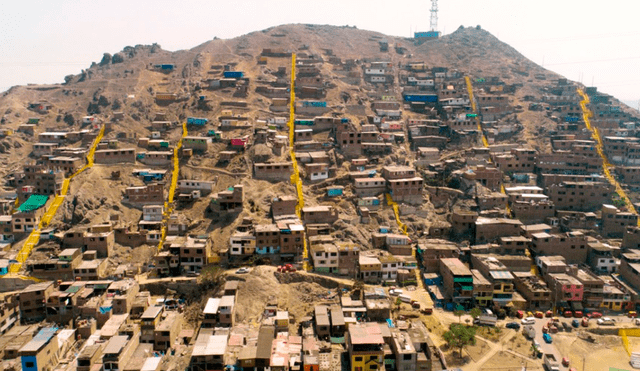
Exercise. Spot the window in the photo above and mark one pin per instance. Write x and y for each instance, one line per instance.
(406, 357)
(358, 359)
(29, 364)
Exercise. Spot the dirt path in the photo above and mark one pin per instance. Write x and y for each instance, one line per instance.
(216, 170)
(495, 348)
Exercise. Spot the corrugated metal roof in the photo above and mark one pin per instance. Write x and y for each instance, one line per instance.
(501, 275)
(33, 202)
(212, 306)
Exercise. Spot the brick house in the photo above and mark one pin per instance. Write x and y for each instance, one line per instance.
(115, 156)
(581, 196)
(229, 200)
(457, 282)
(369, 187)
(533, 289)
(280, 171)
(67, 164)
(490, 229)
(33, 301)
(319, 214)
(615, 222)
(571, 245)
(150, 194)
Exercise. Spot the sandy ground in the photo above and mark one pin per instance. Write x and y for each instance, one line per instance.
(607, 350)
(505, 361)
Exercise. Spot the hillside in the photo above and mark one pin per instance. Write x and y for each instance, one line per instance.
(129, 81)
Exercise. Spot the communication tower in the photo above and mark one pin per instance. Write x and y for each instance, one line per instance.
(434, 15)
(433, 33)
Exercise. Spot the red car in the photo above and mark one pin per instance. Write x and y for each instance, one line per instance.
(577, 314)
(595, 315)
(565, 362)
(568, 314)
(549, 313)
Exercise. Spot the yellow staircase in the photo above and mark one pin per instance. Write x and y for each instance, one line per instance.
(474, 108)
(607, 167)
(295, 175)
(485, 142)
(34, 236)
(168, 205)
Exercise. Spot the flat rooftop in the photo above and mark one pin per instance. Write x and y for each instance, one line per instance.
(456, 266)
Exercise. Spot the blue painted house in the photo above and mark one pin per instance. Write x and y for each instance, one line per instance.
(335, 191)
(233, 74)
(426, 98)
(4, 266)
(200, 121)
(41, 353)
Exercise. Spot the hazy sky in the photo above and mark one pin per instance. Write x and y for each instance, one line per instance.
(42, 41)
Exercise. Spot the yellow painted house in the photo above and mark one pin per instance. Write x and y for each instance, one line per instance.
(366, 347)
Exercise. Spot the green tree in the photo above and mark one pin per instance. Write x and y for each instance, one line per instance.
(458, 313)
(475, 312)
(398, 304)
(459, 336)
(534, 350)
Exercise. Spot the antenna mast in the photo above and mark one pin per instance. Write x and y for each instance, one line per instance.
(434, 15)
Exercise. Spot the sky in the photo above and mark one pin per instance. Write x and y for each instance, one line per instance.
(590, 41)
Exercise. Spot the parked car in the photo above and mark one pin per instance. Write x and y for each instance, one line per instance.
(513, 325)
(549, 314)
(565, 362)
(242, 270)
(520, 314)
(568, 314)
(547, 338)
(567, 327)
(632, 314)
(606, 321)
(528, 321)
(577, 314)
(539, 314)
(575, 323)
(585, 322)
(595, 315)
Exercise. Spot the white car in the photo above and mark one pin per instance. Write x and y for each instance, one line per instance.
(242, 270)
(606, 321)
(528, 321)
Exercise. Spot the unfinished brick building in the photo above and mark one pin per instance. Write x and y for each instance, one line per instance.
(145, 195)
(276, 171)
(115, 156)
(581, 196)
(228, 201)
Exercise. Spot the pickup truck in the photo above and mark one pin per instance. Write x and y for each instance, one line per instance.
(551, 363)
